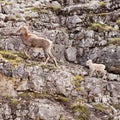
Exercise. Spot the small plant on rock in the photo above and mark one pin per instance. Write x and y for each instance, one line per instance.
(114, 41)
(11, 57)
(102, 3)
(99, 27)
(76, 82)
(118, 21)
(61, 98)
(82, 110)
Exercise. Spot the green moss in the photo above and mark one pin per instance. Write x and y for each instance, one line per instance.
(28, 9)
(5, 2)
(43, 11)
(54, 7)
(102, 14)
(81, 109)
(20, 1)
(11, 57)
(102, 107)
(118, 21)
(8, 3)
(48, 66)
(2, 2)
(14, 101)
(61, 98)
(34, 64)
(21, 54)
(77, 103)
(101, 27)
(117, 106)
(29, 94)
(77, 78)
(8, 55)
(25, 94)
(42, 95)
(78, 88)
(114, 41)
(40, 10)
(102, 3)
(76, 82)
(7, 96)
(61, 117)
(37, 9)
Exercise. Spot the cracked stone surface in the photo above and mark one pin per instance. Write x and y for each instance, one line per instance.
(80, 30)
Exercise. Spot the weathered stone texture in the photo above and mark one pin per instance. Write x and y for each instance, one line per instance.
(80, 30)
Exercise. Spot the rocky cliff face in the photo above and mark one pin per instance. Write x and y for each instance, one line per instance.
(80, 30)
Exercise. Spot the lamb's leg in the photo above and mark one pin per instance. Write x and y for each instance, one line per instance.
(97, 73)
(104, 73)
(91, 73)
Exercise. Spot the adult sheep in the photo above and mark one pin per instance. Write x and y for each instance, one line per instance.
(32, 40)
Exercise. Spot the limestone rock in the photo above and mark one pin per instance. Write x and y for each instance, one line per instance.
(71, 53)
(6, 9)
(80, 30)
(113, 77)
(46, 109)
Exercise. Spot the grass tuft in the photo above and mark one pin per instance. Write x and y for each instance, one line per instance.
(60, 98)
(114, 41)
(99, 27)
(9, 56)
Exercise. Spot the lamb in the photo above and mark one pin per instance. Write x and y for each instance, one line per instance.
(31, 40)
(96, 68)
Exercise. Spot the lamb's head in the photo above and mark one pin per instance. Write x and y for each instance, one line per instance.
(88, 62)
(23, 29)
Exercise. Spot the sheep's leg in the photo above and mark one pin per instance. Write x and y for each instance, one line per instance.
(54, 59)
(47, 58)
(26, 49)
(97, 73)
(91, 73)
(50, 55)
(104, 73)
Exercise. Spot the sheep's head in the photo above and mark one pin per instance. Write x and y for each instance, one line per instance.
(22, 29)
(88, 62)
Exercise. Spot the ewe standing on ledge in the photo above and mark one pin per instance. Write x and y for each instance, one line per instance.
(31, 40)
(96, 68)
